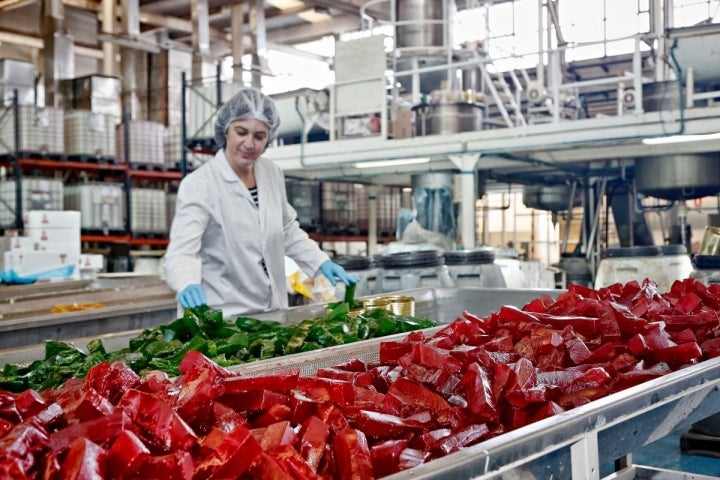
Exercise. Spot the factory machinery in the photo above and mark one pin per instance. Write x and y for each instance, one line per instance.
(595, 440)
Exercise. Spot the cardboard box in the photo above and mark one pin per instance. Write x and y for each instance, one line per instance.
(41, 264)
(53, 219)
(45, 236)
(402, 125)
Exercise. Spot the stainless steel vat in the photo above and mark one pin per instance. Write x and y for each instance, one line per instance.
(420, 23)
(554, 198)
(675, 177)
(447, 118)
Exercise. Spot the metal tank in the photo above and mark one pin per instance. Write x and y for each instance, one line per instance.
(447, 118)
(554, 198)
(421, 23)
(422, 41)
(676, 177)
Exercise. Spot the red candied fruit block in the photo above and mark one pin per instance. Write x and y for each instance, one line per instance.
(351, 448)
(125, 455)
(84, 461)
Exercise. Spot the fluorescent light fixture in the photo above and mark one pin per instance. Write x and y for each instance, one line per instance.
(393, 163)
(680, 139)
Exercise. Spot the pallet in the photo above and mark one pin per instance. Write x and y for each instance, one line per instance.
(90, 158)
(6, 157)
(693, 443)
(149, 167)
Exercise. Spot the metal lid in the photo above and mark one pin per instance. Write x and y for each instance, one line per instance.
(707, 262)
(423, 258)
(353, 262)
(506, 252)
(640, 251)
(470, 257)
(676, 249)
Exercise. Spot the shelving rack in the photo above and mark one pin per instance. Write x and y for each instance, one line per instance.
(20, 161)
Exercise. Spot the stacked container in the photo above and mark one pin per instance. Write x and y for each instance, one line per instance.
(407, 270)
(89, 133)
(17, 75)
(148, 211)
(41, 130)
(100, 205)
(174, 147)
(38, 193)
(663, 265)
(56, 246)
(146, 141)
(474, 268)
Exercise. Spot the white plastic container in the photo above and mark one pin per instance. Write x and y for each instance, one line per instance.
(90, 133)
(663, 265)
(146, 141)
(38, 193)
(41, 130)
(100, 204)
(148, 210)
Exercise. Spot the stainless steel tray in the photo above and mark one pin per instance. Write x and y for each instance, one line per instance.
(440, 304)
(572, 445)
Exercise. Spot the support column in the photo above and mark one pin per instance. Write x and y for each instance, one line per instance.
(467, 164)
(236, 39)
(259, 45)
(202, 64)
(109, 26)
(58, 51)
(372, 191)
(129, 59)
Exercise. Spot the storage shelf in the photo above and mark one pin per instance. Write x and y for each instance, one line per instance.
(126, 239)
(53, 164)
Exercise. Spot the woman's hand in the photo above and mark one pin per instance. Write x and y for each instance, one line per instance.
(192, 296)
(331, 270)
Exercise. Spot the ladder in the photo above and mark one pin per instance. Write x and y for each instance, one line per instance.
(507, 98)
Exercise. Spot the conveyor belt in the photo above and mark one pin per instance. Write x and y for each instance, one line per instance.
(26, 318)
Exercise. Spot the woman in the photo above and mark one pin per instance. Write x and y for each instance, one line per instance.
(233, 224)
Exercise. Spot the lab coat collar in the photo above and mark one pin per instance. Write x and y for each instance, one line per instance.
(225, 169)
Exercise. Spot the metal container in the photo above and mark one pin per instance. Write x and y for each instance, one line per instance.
(664, 265)
(554, 198)
(711, 241)
(408, 270)
(659, 96)
(17, 75)
(474, 268)
(676, 177)
(421, 23)
(96, 93)
(448, 118)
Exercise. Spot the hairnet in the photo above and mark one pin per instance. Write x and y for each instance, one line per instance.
(247, 103)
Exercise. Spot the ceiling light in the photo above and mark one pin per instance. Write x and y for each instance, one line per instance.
(680, 139)
(314, 16)
(285, 4)
(393, 163)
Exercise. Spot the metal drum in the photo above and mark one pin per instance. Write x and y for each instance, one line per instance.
(408, 270)
(447, 118)
(707, 268)
(675, 177)
(474, 268)
(663, 265)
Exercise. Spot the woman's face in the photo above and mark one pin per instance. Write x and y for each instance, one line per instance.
(246, 141)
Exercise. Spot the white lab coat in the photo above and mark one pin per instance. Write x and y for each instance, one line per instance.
(219, 238)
